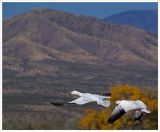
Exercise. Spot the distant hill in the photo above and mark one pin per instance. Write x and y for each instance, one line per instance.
(63, 50)
(144, 19)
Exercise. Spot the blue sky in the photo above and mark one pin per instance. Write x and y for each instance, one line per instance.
(99, 10)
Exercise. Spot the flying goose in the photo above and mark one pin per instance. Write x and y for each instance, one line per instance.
(125, 106)
(85, 98)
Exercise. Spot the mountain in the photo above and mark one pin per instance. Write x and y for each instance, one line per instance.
(48, 49)
(144, 19)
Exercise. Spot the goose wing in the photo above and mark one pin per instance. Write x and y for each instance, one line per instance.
(101, 97)
(128, 105)
(104, 103)
(116, 114)
(81, 101)
(138, 115)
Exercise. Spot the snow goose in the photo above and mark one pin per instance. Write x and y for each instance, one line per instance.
(125, 106)
(87, 98)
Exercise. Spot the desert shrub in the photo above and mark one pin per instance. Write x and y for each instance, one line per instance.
(98, 119)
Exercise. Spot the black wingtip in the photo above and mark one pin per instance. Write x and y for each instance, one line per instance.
(115, 117)
(56, 104)
(110, 121)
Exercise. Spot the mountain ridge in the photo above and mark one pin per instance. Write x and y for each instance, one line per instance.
(84, 33)
(144, 19)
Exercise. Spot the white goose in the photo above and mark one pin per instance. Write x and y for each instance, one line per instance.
(87, 98)
(125, 106)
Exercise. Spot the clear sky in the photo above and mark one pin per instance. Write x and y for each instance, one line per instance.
(99, 10)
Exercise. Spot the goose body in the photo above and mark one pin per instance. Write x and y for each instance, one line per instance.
(125, 106)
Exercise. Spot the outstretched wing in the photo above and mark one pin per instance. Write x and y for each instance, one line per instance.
(102, 97)
(138, 115)
(132, 105)
(116, 114)
(81, 101)
(104, 103)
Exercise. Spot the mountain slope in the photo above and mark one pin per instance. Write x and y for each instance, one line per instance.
(90, 39)
(47, 48)
(144, 19)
